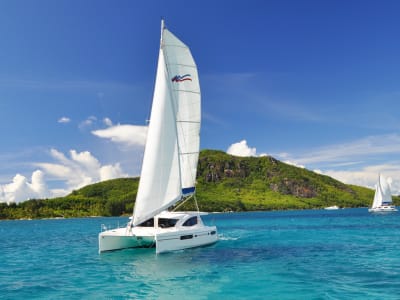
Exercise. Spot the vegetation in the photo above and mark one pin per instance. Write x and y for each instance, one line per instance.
(224, 183)
(108, 198)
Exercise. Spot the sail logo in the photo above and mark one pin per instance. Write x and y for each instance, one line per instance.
(181, 78)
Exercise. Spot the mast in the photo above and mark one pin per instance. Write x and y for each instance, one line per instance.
(162, 29)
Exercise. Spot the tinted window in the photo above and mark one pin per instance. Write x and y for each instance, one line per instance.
(190, 222)
(148, 223)
(166, 223)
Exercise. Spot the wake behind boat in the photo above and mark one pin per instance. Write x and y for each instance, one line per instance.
(382, 198)
(170, 161)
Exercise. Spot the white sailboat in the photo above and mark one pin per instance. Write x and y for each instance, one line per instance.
(383, 197)
(170, 161)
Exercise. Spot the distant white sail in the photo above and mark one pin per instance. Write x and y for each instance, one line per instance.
(173, 142)
(383, 195)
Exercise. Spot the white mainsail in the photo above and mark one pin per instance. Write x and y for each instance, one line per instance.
(383, 194)
(173, 141)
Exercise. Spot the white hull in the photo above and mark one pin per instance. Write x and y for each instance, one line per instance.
(123, 238)
(383, 209)
(164, 239)
(183, 239)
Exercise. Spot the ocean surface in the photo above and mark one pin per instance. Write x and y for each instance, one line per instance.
(311, 254)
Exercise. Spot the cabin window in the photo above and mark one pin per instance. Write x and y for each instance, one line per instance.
(166, 223)
(148, 223)
(190, 222)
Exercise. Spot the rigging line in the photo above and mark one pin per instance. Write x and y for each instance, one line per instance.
(177, 46)
(188, 153)
(183, 121)
(183, 65)
(195, 202)
(184, 201)
(186, 91)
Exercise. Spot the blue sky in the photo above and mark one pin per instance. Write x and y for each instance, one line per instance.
(312, 83)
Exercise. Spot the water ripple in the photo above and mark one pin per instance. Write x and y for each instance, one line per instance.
(346, 254)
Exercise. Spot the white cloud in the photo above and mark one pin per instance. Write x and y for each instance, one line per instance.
(88, 122)
(241, 149)
(294, 164)
(128, 135)
(346, 152)
(21, 189)
(85, 160)
(73, 172)
(110, 172)
(64, 120)
(107, 122)
(368, 176)
(81, 169)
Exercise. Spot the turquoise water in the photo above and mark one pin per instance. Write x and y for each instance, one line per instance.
(343, 254)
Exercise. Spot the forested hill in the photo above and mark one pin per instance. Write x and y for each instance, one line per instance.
(224, 183)
(265, 183)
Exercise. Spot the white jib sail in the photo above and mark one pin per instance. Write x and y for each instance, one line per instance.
(173, 141)
(386, 193)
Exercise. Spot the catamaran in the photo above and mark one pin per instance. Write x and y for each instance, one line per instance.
(170, 160)
(383, 197)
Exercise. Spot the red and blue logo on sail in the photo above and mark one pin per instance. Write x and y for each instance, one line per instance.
(180, 78)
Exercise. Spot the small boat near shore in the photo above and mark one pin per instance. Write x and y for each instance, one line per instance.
(334, 207)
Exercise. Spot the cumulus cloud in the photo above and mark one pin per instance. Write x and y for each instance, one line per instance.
(21, 188)
(128, 135)
(110, 172)
(241, 149)
(72, 172)
(64, 120)
(79, 169)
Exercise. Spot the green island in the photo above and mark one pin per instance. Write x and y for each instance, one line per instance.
(224, 183)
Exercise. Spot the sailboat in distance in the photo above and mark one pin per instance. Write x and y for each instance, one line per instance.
(170, 161)
(383, 197)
